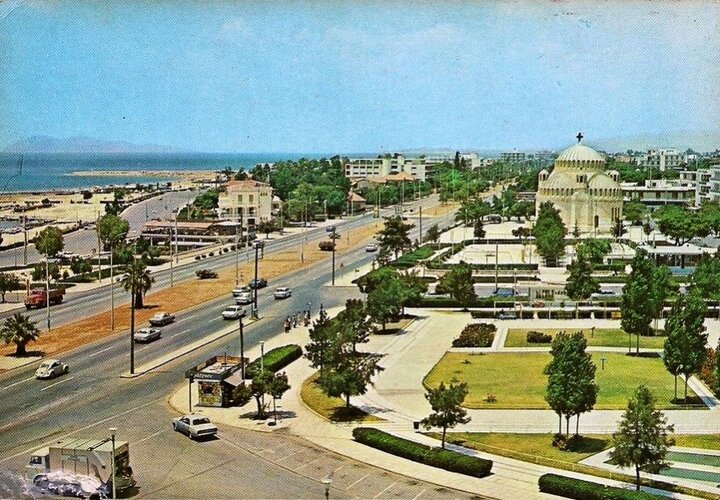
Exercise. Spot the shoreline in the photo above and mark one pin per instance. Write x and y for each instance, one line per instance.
(141, 173)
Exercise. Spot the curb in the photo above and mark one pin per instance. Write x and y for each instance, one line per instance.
(152, 365)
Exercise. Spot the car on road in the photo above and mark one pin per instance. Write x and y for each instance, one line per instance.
(605, 294)
(195, 426)
(282, 292)
(371, 247)
(146, 335)
(233, 312)
(162, 319)
(51, 368)
(244, 298)
(504, 292)
(239, 290)
(259, 283)
(538, 303)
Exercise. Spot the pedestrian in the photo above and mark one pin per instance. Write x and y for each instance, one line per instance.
(295, 319)
(287, 324)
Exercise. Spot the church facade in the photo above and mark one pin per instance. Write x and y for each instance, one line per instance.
(588, 197)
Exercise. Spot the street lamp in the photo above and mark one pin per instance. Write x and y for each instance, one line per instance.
(242, 345)
(113, 430)
(327, 481)
(262, 366)
(112, 282)
(258, 245)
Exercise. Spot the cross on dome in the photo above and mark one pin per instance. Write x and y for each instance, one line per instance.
(579, 137)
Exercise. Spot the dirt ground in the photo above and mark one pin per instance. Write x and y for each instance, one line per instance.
(188, 294)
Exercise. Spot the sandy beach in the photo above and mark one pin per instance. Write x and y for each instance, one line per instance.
(182, 174)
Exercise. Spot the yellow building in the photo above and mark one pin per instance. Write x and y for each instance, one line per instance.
(588, 197)
(248, 202)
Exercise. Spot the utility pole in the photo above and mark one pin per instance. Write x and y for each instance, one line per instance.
(237, 252)
(25, 239)
(421, 236)
(242, 346)
(97, 221)
(255, 288)
(133, 279)
(47, 289)
(333, 256)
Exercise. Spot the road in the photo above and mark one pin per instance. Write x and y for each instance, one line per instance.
(92, 397)
(85, 241)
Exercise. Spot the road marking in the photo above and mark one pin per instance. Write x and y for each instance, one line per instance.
(418, 495)
(356, 482)
(56, 383)
(309, 463)
(19, 382)
(388, 487)
(149, 437)
(101, 351)
(288, 456)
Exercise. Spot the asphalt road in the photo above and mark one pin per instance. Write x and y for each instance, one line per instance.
(92, 397)
(85, 241)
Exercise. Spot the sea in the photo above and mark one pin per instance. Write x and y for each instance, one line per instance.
(51, 171)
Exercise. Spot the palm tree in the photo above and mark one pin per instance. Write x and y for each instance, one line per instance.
(137, 278)
(19, 330)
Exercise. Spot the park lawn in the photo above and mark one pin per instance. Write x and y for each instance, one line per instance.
(331, 408)
(517, 380)
(703, 441)
(601, 337)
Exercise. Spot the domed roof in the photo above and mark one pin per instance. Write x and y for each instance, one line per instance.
(580, 153)
(602, 181)
(558, 180)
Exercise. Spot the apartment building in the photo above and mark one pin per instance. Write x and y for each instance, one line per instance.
(662, 159)
(702, 180)
(513, 157)
(421, 167)
(659, 192)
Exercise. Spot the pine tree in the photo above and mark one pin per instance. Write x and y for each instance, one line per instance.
(446, 403)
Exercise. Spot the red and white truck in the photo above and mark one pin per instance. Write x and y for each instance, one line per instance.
(38, 297)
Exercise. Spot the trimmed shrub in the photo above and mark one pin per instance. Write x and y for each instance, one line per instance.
(275, 359)
(435, 457)
(326, 246)
(476, 335)
(585, 490)
(535, 337)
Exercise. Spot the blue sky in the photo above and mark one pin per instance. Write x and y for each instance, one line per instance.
(356, 76)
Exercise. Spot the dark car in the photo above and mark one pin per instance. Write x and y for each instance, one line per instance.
(259, 283)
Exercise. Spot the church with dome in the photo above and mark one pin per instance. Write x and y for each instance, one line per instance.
(588, 197)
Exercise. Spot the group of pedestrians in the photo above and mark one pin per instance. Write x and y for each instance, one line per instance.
(293, 320)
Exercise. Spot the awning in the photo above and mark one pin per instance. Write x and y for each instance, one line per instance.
(235, 379)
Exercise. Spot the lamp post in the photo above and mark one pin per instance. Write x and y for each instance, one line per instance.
(327, 481)
(113, 430)
(258, 245)
(242, 345)
(237, 250)
(262, 365)
(333, 256)
(112, 282)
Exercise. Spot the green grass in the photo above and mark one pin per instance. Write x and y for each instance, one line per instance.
(517, 380)
(333, 409)
(603, 337)
(702, 441)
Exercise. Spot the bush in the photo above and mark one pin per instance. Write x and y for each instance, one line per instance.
(476, 335)
(435, 457)
(585, 490)
(275, 359)
(197, 257)
(566, 443)
(327, 246)
(205, 274)
(535, 337)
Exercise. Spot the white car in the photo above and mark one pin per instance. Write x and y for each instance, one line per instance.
(51, 368)
(233, 312)
(195, 426)
(282, 292)
(240, 290)
(162, 319)
(244, 298)
(147, 334)
(371, 247)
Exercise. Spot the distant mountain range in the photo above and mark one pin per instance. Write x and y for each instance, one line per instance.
(47, 144)
(681, 140)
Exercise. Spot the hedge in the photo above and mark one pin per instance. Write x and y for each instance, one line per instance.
(435, 457)
(476, 335)
(275, 359)
(450, 302)
(586, 490)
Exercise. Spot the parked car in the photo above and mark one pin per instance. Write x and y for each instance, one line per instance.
(162, 319)
(244, 298)
(605, 294)
(371, 247)
(240, 290)
(146, 335)
(282, 292)
(233, 312)
(538, 303)
(51, 368)
(504, 292)
(195, 426)
(259, 283)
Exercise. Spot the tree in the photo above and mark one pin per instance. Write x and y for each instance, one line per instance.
(355, 325)
(207, 200)
(137, 277)
(580, 283)
(433, 233)
(642, 438)
(372, 280)
(39, 271)
(458, 283)
(49, 241)
(394, 235)
(385, 301)
(447, 411)
(349, 374)
(594, 249)
(522, 209)
(78, 265)
(267, 227)
(278, 386)
(258, 388)
(322, 336)
(618, 228)
(19, 329)
(679, 223)
(684, 349)
(710, 217)
(415, 287)
(635, 212)
(706, 278)
(549, 233)
(637, 311)
(112, 230)
(8, 283)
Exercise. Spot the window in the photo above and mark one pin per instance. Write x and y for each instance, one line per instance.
(250, 198)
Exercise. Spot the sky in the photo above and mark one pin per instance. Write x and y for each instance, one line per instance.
(351, 76)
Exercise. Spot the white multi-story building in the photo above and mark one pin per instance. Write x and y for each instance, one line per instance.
(248, 202)
(513, 157)
(421, 168)
(662, 159)
(658, 192)
(702, 180)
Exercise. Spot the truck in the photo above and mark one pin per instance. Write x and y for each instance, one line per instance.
(38, 298)
(81, 467)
